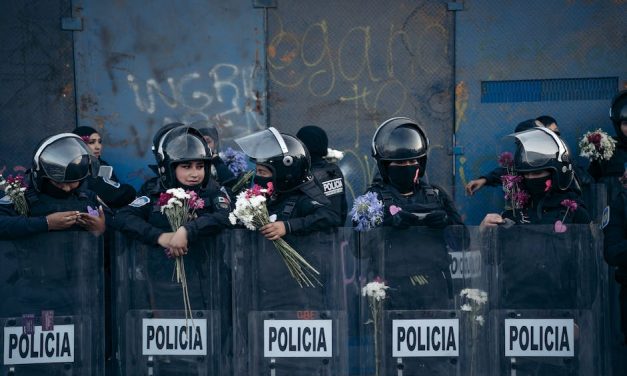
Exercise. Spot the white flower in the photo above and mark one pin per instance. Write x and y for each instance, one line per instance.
(475, 295)
(232, 219)
(589, 150)
(273, 218)
(466, 307)
(375, 290)
(334, 155)
(480, 320)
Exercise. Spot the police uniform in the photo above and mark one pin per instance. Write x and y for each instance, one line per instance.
(110, 190)
(331, 180)
(615, 250)
(304, 210)
(13, 225)
(143, 220)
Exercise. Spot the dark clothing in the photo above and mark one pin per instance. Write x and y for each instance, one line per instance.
(143, 220)
(610, 171)
(111, 191)
(548, 210)
(223, 174)
(432, 205)
(304, 210)
(331, 180)
(13, 225)
(615, 250)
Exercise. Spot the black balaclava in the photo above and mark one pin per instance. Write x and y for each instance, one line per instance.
(536, 187)
(403, 178)
(315, 139)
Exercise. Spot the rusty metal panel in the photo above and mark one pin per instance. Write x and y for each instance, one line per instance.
(543, 41)
(36, 78)
(346, 66)
(141, 64)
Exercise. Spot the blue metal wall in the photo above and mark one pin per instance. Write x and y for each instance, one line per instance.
(530, 40)
(141, 64)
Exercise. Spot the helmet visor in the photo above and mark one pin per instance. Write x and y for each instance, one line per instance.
(66, 160)
(537, 147)
(180, 145)
(263, 145)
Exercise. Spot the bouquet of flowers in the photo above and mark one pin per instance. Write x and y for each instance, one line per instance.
(14, 187)
(367, 212)
(180, 206)
(514, 195)
(235, 160)
(597, 145)
(375, 293)
(333, 155)
(251, 211)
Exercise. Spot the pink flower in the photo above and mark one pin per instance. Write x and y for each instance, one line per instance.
(506, 159)
(164, 197)
(85, 138)
(569, 204)
(521, 198)
(270, 188)
(510, 180)
(547, 185)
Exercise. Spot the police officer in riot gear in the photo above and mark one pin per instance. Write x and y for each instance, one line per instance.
(327, 174)
(300, 205)
(544, 162)
(104, 182)
(400, 147)
(420, 276)
(183, 161)
(219, 170)
(56, 197)
(610, 171)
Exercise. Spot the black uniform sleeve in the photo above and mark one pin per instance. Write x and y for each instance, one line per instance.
(615, 243)
(113, 194)
(493, 178)
(14, 226)
(454, 218)
(132, 221)
(213, 218)
(311, 216)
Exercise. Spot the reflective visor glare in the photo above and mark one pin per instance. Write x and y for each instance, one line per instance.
(63, 155)
(260, 145)
(537, 148)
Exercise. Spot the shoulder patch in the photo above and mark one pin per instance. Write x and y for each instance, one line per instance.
(333, 187)
(112, 183)
(139, 202)
(6, 200)
(316, 203)
(605, 219)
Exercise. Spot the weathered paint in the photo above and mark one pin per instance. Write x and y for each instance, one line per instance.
(142, 64)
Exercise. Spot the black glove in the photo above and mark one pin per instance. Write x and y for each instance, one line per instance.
(436, 218)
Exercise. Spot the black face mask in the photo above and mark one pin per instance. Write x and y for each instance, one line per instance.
(52, 191)
(263, 181)
(536, 186)
(402, 177)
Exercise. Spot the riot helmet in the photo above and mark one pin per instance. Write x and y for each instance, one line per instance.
(64, 158)
(206, 128)
(284, 155)
(177, 145)
(541, 149)
(618, 113)
(399, 139)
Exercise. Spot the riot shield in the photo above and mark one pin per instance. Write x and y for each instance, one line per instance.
(549, 297)
(52, 310)
(153, 333)
(281, 328)
(423, 329)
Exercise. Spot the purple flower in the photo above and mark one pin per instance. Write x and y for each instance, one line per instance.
(367, 212)
(93, 212)
(506, 160)
(521, 198)
(510, 181)
(236, 161)
(569, 204)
